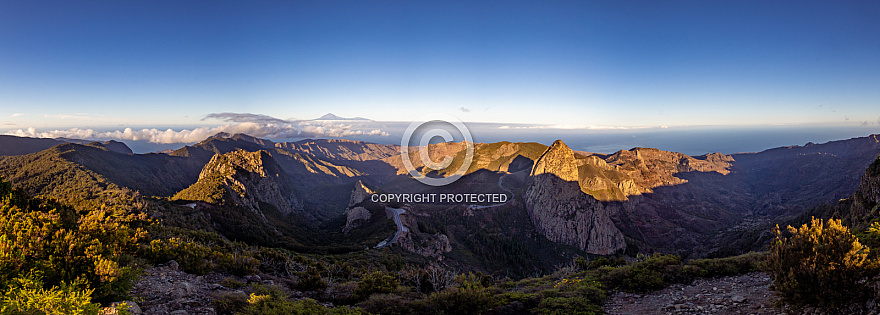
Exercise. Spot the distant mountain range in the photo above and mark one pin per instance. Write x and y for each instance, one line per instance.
(639, 200)
(12, 145)
(330, 116)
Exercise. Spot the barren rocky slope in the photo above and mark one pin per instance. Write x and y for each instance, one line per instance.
(744, 294)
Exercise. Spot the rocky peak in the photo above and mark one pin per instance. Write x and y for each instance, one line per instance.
(359, 193)
(117, 147)
(355, 215)
(649, 168)
(248, 179)
(562, 212)
(242, 161)
(112, 146)
(558, 160)
(864, 202)
(220, 135)
(625, 173)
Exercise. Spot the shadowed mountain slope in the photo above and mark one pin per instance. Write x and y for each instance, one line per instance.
(113, 146)
(151, 174)
(12, 145)
(341, 149)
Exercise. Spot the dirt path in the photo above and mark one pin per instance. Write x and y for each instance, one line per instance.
(744, 294)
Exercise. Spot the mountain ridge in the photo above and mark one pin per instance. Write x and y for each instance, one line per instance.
(657, 200)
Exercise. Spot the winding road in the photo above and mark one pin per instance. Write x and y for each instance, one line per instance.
(400, 228)
(476, 207)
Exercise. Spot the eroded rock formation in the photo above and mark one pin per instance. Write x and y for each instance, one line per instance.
(562, 212)
(252, 180)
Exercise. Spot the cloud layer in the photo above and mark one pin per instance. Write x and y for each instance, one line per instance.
(261, 126)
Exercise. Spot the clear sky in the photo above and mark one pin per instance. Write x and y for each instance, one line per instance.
(66, 64)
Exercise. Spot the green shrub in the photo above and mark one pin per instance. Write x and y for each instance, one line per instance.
(654, 273)
(232, 283)
(273, 291)
(820, 263)
(228, 303)
(658, 271)
(376, 282)
(568, 305)
(191, 256)
(589, 290)
(870, 236)
(278, 306)
(195, 256)
(729, 266)
(636, 279)
(518, 300)
(586, 264)
(464, 301)
(388, 304)
(310, 281)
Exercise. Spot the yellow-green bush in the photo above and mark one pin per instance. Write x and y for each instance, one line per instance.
(197, 257)
(819, 263)
(27, 295)
(64, 245)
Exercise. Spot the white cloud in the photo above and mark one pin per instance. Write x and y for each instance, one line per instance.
(262, 130)
(16, 114)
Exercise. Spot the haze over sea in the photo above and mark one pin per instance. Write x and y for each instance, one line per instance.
(687, 140)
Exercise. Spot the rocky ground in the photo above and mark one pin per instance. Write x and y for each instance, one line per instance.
(744, 294)
(167, 290)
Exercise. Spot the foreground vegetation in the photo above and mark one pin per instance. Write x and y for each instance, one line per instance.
(56, 259)
(823, 264)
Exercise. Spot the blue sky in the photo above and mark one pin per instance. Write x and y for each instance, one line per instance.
(168, 64)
